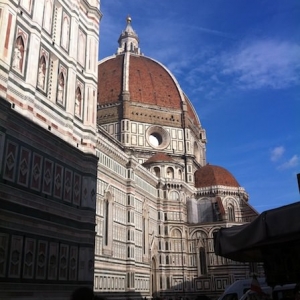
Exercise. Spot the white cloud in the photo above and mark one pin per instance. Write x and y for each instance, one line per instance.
(291, 163)
(277, 153)
(266, 63)
(254, 65)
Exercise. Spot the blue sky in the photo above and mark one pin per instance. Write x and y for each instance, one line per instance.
(239, 63)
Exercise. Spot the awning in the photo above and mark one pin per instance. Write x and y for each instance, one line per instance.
(272, 238)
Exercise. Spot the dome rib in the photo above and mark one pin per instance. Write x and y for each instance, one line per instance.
(149, 83)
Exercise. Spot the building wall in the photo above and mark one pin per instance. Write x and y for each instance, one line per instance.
(48, 167)
(49, 65)
(47, 203)
(146, 243)
(177, 142)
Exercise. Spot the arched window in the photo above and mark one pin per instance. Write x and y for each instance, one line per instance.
(156, 171)
(170, 173)
(231, 213)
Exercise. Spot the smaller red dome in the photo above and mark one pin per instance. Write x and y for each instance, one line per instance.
(210, 175)
(159, 157)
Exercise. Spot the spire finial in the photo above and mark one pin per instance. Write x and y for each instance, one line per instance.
(128, 40)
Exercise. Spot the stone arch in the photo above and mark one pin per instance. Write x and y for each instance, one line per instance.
(230, 200)
(231, 208)
(176, 232)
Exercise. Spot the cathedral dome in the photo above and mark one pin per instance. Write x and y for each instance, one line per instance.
(138, 88)
(210, 175)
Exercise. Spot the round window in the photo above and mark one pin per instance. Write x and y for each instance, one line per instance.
(157, 137)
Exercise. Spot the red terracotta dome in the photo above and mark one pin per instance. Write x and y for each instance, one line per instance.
(149, 82)
(146, 84)
(210, 175)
